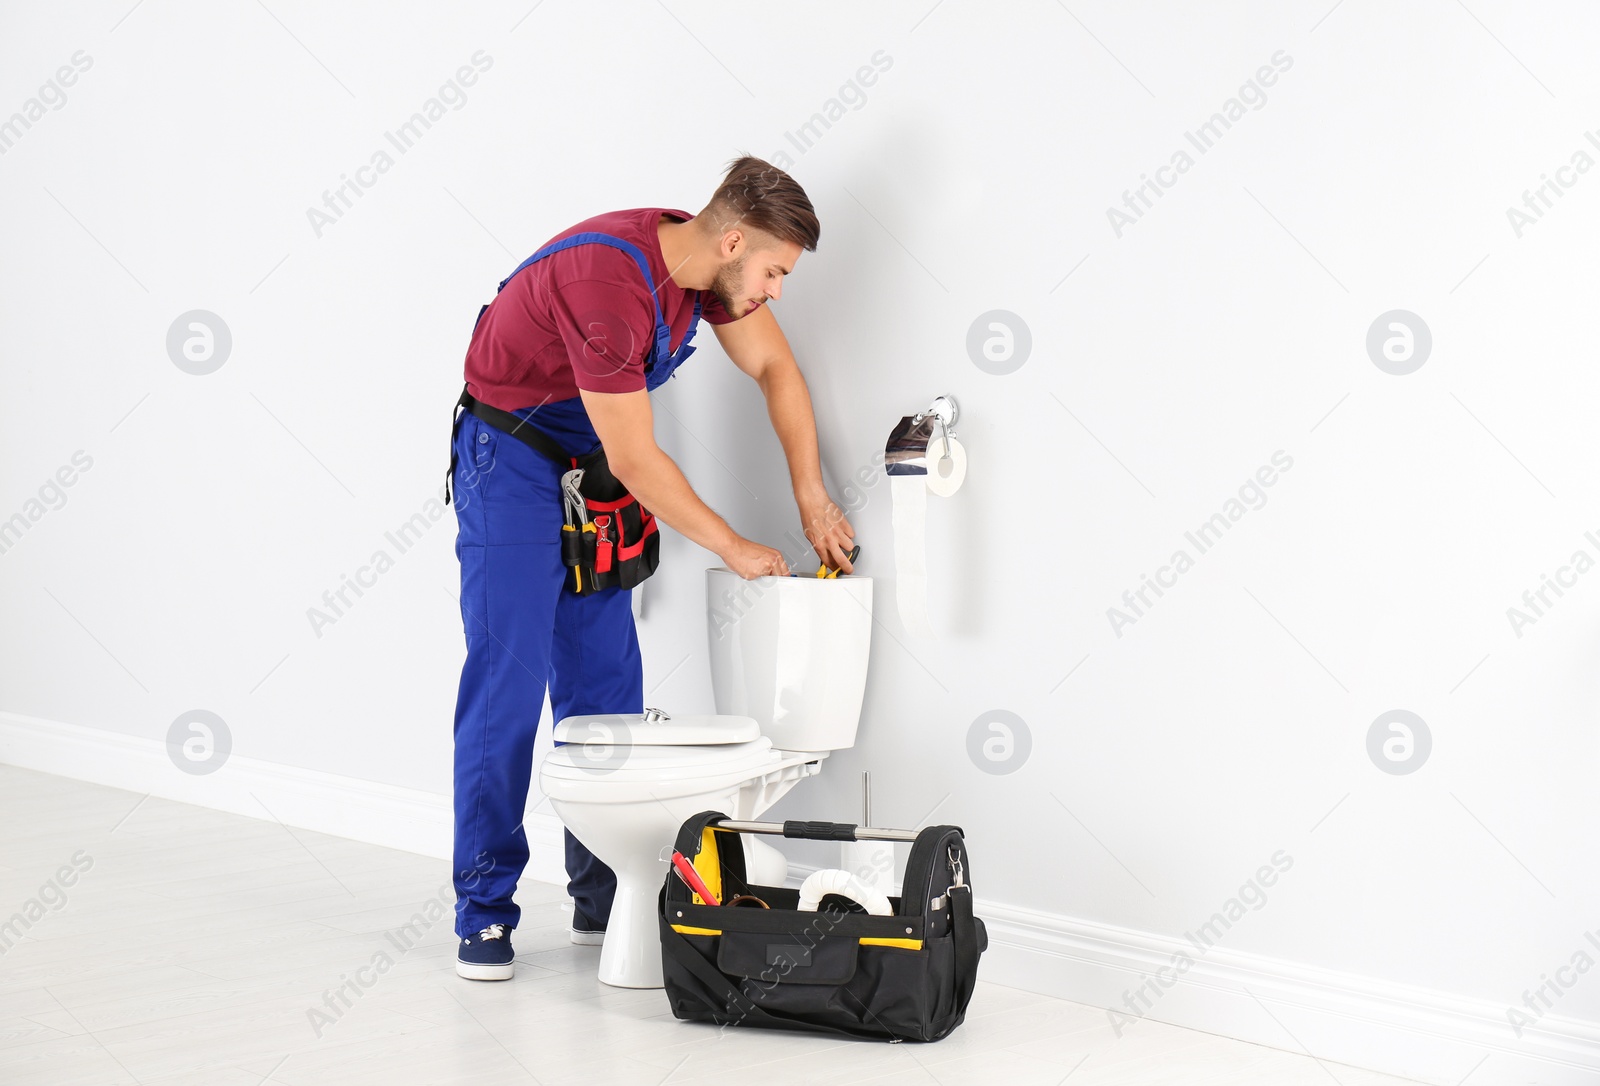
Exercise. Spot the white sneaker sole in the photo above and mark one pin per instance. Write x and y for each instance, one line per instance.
(588, 938)
(472, 971)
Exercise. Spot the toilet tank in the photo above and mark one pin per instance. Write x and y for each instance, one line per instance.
(792, 653)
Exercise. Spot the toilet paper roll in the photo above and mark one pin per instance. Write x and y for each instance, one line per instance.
(911, 460)
(908, 518)
(946, 485)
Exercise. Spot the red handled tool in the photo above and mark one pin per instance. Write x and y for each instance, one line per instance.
(602, 554)
(689, 875)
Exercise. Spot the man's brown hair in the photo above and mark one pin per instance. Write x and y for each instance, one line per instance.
(756, 195)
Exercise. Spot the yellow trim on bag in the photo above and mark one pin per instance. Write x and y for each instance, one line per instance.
(903, 944)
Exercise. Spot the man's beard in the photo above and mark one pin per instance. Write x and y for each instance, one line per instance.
(726, 286)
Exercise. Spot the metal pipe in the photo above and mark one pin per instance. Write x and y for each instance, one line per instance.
(863, 833)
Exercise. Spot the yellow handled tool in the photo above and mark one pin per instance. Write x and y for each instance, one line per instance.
(828, 572)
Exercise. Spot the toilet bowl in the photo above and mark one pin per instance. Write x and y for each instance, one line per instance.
(788, 674)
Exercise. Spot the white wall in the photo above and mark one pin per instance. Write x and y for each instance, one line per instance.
(1227, 323)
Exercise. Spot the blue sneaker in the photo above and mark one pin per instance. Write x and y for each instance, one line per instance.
(486, 955)
(586, 931)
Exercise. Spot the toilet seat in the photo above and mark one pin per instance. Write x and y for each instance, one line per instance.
(638, 729)
(641, 763)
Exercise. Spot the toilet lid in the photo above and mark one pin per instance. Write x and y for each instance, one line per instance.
(589, 761)
(632, 729)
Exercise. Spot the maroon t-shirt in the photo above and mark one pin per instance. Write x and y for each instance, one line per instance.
(582, 318)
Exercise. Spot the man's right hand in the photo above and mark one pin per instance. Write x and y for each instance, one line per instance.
(750, 559)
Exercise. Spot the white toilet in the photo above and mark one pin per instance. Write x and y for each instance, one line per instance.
(788, 672)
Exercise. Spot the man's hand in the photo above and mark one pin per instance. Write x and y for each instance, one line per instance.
(750, 560)
(824, 524)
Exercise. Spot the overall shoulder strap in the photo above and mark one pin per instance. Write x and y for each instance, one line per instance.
(595, 237)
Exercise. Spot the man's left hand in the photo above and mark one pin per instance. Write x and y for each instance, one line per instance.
(827, 529)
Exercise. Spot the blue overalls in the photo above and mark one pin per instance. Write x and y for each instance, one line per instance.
(526, 633)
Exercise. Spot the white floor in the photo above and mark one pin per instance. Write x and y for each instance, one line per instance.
(196, 948)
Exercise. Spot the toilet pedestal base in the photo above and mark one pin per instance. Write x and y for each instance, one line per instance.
(630, 957)
(634, 840)
(763, 864)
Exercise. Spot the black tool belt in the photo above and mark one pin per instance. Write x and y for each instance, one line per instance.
(617, 543)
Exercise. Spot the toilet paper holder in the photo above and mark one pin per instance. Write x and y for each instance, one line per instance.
(944, 410)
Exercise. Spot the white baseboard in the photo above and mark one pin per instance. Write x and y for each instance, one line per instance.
(1344, 1018)
(380, 814)
(1337, 1017)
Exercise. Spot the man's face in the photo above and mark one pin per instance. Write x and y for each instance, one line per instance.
(746, 281)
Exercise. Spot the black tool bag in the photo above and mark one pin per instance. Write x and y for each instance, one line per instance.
(905, 977)
(619, 543)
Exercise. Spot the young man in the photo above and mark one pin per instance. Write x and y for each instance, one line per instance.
(574, 343)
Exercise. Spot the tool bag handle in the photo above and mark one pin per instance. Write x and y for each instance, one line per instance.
(820, 831)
